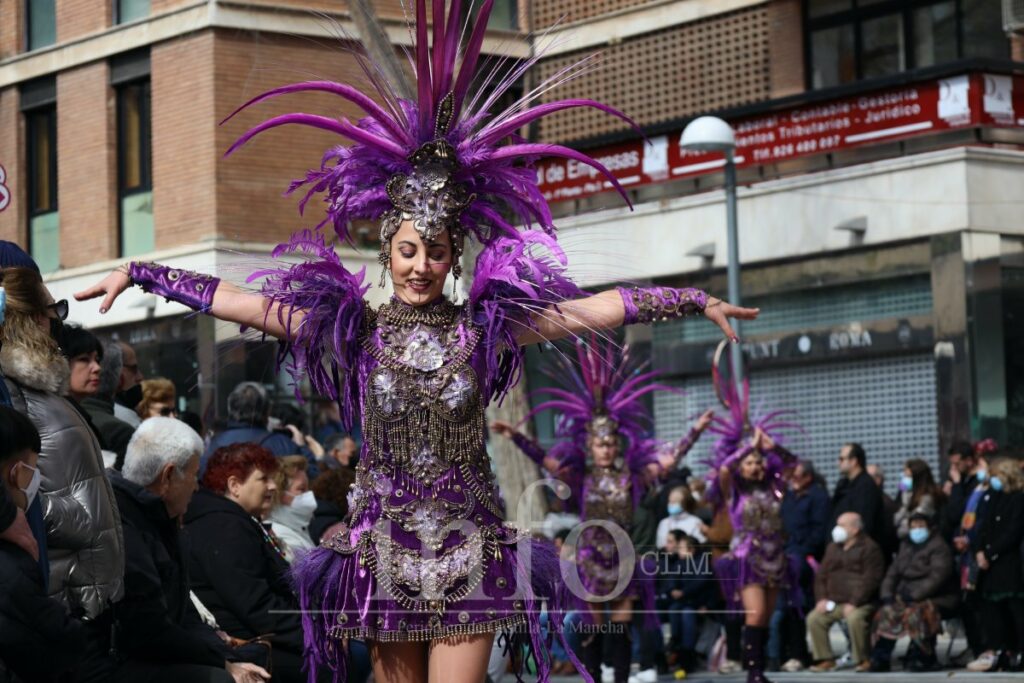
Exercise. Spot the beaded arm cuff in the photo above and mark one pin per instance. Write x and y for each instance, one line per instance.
(647, 304)
(194, 290)
(530, 448)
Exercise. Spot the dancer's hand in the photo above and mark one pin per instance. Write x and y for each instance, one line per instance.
(244, 672)
(112, 285)
(704, 421)
(502, 428)
(719, 312)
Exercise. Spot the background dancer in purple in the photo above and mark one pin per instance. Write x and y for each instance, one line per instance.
(601, 415)
(427, 571)
(746, 477)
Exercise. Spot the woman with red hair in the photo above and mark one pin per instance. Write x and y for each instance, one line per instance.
(237, 569)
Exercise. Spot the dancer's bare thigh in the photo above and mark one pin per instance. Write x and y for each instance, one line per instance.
(460, 659)
(398, 662)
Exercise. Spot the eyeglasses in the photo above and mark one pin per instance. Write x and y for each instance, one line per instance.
(167, 411)
(59, 308)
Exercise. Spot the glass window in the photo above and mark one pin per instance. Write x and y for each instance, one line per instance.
(983, 29)
(41, 20)
(858, 39)
(935, 34)
(134, 169)
(882, 46)
(833, 61)
(821, 8)
(43, 219)
(130, 10)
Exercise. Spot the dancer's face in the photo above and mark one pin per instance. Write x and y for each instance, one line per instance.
(752, 467)
(418, 268)
(604, 451)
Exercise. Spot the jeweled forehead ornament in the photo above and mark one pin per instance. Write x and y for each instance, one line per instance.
(429, 196)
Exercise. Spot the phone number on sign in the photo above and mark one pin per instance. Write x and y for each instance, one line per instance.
(791, 148)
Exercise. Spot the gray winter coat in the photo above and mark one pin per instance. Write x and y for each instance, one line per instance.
(83, 529)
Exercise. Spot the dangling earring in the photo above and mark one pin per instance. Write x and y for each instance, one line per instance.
(384, 259)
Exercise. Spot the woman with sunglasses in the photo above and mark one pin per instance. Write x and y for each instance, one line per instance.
(86, 548)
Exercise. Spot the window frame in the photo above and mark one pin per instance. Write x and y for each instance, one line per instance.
(146, 138)
(39, 97)
(27, 27)
(856, 16)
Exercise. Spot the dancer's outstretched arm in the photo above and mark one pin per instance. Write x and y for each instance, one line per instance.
(625, 306)
(670, 460)
(528, 446)
(205, 293)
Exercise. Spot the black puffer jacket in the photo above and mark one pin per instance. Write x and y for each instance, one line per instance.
(238, 575)
(923, 572)
(38, 640)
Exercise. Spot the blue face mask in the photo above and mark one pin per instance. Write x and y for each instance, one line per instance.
(982, 475)
(674, 508)
(996, 483)
(918, 535)
(906, 483)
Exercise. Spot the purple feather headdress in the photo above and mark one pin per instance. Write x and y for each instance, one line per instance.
(601, 396)
(442, 160)
(738, 424)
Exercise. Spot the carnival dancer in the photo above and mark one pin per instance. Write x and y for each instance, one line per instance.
(601, 415)
(746, 478)
(426, 571)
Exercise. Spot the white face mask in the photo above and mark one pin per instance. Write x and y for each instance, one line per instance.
(303, 506)
(839, 534)
(33, 486)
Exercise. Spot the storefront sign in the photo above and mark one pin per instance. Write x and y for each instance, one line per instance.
(5, 193)
(882, 116)
(854, 340)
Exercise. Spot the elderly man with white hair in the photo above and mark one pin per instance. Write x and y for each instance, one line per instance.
(159, 635)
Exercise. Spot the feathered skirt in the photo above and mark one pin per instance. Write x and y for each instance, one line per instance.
(422, 563)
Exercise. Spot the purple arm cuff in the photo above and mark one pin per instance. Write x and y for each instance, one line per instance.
(647, 304)
(194, 290)
(530, 448)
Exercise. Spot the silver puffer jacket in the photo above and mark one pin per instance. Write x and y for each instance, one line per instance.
(83, 529)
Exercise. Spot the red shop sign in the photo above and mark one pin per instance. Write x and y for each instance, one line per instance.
(882, 116)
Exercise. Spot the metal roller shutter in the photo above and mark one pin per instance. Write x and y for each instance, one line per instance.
(887, 405)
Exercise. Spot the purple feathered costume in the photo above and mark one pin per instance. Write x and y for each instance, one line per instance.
(426, 553)
(601, 397)
(757, 552)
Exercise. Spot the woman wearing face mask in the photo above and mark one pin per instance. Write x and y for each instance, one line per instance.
(596, 426)
(919, 494)
(748, 481)
(434, 165)
(85, 544)
(918, 589)
(293, 507)
(996, 550)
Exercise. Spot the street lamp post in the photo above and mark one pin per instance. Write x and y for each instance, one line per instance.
(712, 134)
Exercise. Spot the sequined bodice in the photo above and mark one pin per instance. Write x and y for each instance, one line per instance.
(608, 494)
(423, 404)
(760, 513)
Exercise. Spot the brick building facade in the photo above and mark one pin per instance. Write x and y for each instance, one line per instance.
(107, 123)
